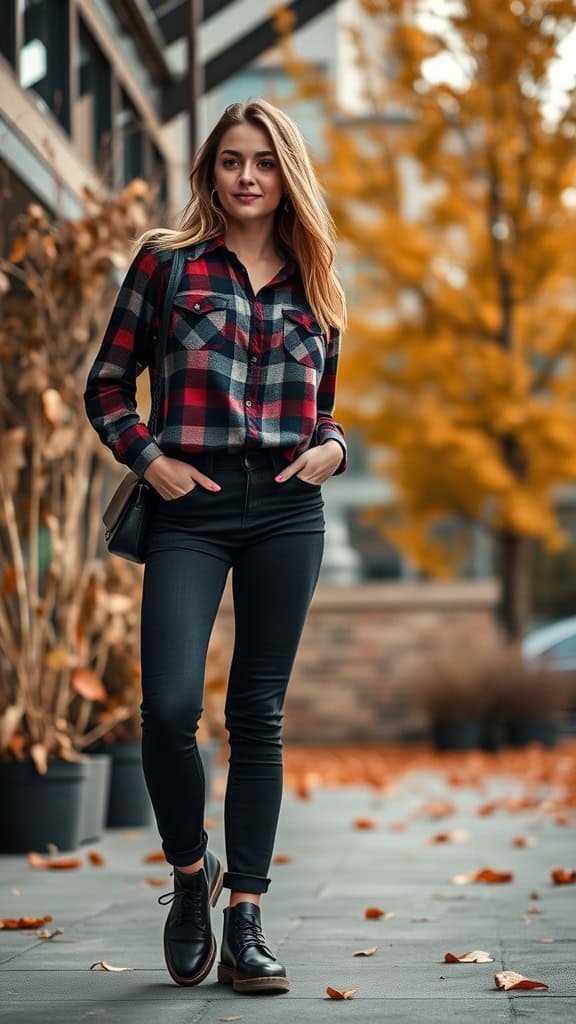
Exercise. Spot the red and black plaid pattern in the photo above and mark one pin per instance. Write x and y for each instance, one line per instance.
(241, 370)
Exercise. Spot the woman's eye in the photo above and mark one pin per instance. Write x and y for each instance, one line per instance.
(230, 160)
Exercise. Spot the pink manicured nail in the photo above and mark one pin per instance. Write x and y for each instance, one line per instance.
(216, 487)
(279, 477)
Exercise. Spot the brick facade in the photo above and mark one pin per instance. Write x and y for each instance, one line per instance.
(344, 685)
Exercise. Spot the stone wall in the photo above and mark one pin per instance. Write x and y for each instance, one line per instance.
(345, 684)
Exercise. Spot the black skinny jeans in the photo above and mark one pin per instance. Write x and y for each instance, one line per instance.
(272, 536)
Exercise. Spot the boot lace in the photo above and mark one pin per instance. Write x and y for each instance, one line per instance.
(189, 907)
(249, 933)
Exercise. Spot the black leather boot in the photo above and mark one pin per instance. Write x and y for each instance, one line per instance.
(246, 961)
(189, 943)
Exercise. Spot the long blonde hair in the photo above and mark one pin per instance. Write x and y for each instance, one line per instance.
(305, 230)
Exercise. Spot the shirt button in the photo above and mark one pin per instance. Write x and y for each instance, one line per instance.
(196, 305)
(248, 403)
(252, 359)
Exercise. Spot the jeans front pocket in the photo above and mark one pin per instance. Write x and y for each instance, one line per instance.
(307, 484)
(181, 497)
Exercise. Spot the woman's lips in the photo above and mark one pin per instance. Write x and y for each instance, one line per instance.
(245, 198)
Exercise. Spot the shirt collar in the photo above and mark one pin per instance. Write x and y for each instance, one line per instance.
(218, 242)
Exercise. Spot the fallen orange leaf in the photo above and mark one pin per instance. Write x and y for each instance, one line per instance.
(36, 861)
(457, 835)
(484, 875)
(511, 979)
(484, 810)
(335, 993)
(364, 823)
(282, 858)
(155, 857)
(398, 826)
(476, 956)
(527, 802)
(492, 876)
(374, 912)
(103, 966)
(522, 841)
(534, 910)
(366, 952)
(96, 858)
(155, 881)
(44, 933)
(24, 922)
(563, 876)
(438, 809)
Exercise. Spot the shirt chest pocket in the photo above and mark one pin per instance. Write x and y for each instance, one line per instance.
(303, 339)
(202, 321)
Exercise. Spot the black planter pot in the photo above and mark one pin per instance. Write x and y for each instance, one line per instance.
(129, 804)
(455, 735)
(39, 809)
(522, 731)
(95, 801)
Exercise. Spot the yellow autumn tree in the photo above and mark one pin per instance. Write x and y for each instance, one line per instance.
(454, 194)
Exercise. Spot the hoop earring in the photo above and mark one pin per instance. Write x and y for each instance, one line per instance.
(286, 206)
(213, 192)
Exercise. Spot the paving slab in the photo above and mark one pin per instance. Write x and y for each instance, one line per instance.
(313, 916)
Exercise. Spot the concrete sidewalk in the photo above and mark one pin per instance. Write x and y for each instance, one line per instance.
(314, 919)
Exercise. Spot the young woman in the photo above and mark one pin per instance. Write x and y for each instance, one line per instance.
(247, 441)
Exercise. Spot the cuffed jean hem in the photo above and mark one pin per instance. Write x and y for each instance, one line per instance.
(189, 856)
(245, 883)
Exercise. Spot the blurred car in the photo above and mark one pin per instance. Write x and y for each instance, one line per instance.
(555, 644)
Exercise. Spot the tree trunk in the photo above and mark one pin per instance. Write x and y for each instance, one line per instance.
(515, 582)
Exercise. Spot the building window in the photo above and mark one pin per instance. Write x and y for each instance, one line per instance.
(93, 107)
(44, 59)
(8, 33)
(159, 176)
(131, 141)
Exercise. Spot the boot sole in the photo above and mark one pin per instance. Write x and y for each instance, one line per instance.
(226, 976)
(204, 971)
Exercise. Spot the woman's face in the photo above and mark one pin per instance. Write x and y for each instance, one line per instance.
(246, 174)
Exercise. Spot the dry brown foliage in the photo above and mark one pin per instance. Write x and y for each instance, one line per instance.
(59, 623)
(452, 684)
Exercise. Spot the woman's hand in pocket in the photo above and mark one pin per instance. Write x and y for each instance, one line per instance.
(173, 478)
(317, 464)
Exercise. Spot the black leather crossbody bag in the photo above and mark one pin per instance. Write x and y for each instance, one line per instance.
(127, 514)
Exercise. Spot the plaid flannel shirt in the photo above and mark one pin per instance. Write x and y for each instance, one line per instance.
(242, 371)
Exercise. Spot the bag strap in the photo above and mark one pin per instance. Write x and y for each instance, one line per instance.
(173, 282)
